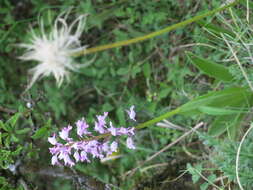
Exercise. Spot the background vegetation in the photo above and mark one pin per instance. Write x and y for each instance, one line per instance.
(191, 66)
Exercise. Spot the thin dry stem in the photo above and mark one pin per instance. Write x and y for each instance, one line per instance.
(238, 62)
(131, 172)
(154, 166)
(238, 157)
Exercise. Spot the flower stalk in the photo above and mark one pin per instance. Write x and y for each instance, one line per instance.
(156, 33)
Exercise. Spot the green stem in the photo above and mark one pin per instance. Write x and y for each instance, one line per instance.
(157, 119)
(156, 33)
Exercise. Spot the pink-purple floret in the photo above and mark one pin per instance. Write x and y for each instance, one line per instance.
(82, 150)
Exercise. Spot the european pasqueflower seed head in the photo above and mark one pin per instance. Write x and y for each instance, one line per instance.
(53, 51)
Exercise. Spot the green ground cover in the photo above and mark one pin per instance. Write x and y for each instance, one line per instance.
(197, 75)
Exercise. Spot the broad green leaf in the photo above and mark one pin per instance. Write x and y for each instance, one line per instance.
(210, 68)
(219, 99)
(217, 111)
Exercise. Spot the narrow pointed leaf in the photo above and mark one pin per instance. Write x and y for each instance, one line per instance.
(216, 29)
(13, 120)
(210, 68)
(225, 123)
(218, 111)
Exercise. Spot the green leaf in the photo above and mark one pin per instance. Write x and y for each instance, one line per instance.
(217, 111)
(122, 71)
(164, 93)
(225, 123)
(98, 19)
(245, 4)
(13, 120)
(147, 70)
(135, 70)
(210, 68)
(7, 141)
(43, 131)
(204, 186)
(4, 127)
(14, 138)
(107, 107)
(219, 99)
(1, 142)
(121, 115)
(216, 29)
(40, 133)
(194, 173)
(1, 124)
(231, 123)
(7, 128)
(17, 151)
(22, 131)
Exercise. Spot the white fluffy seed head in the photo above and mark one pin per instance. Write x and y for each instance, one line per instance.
(54, 51)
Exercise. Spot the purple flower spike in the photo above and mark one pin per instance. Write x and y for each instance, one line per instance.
(82, 127)
(130, 143)
(64, 134)
(88, 145)
(52, 139)
(131, 113)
